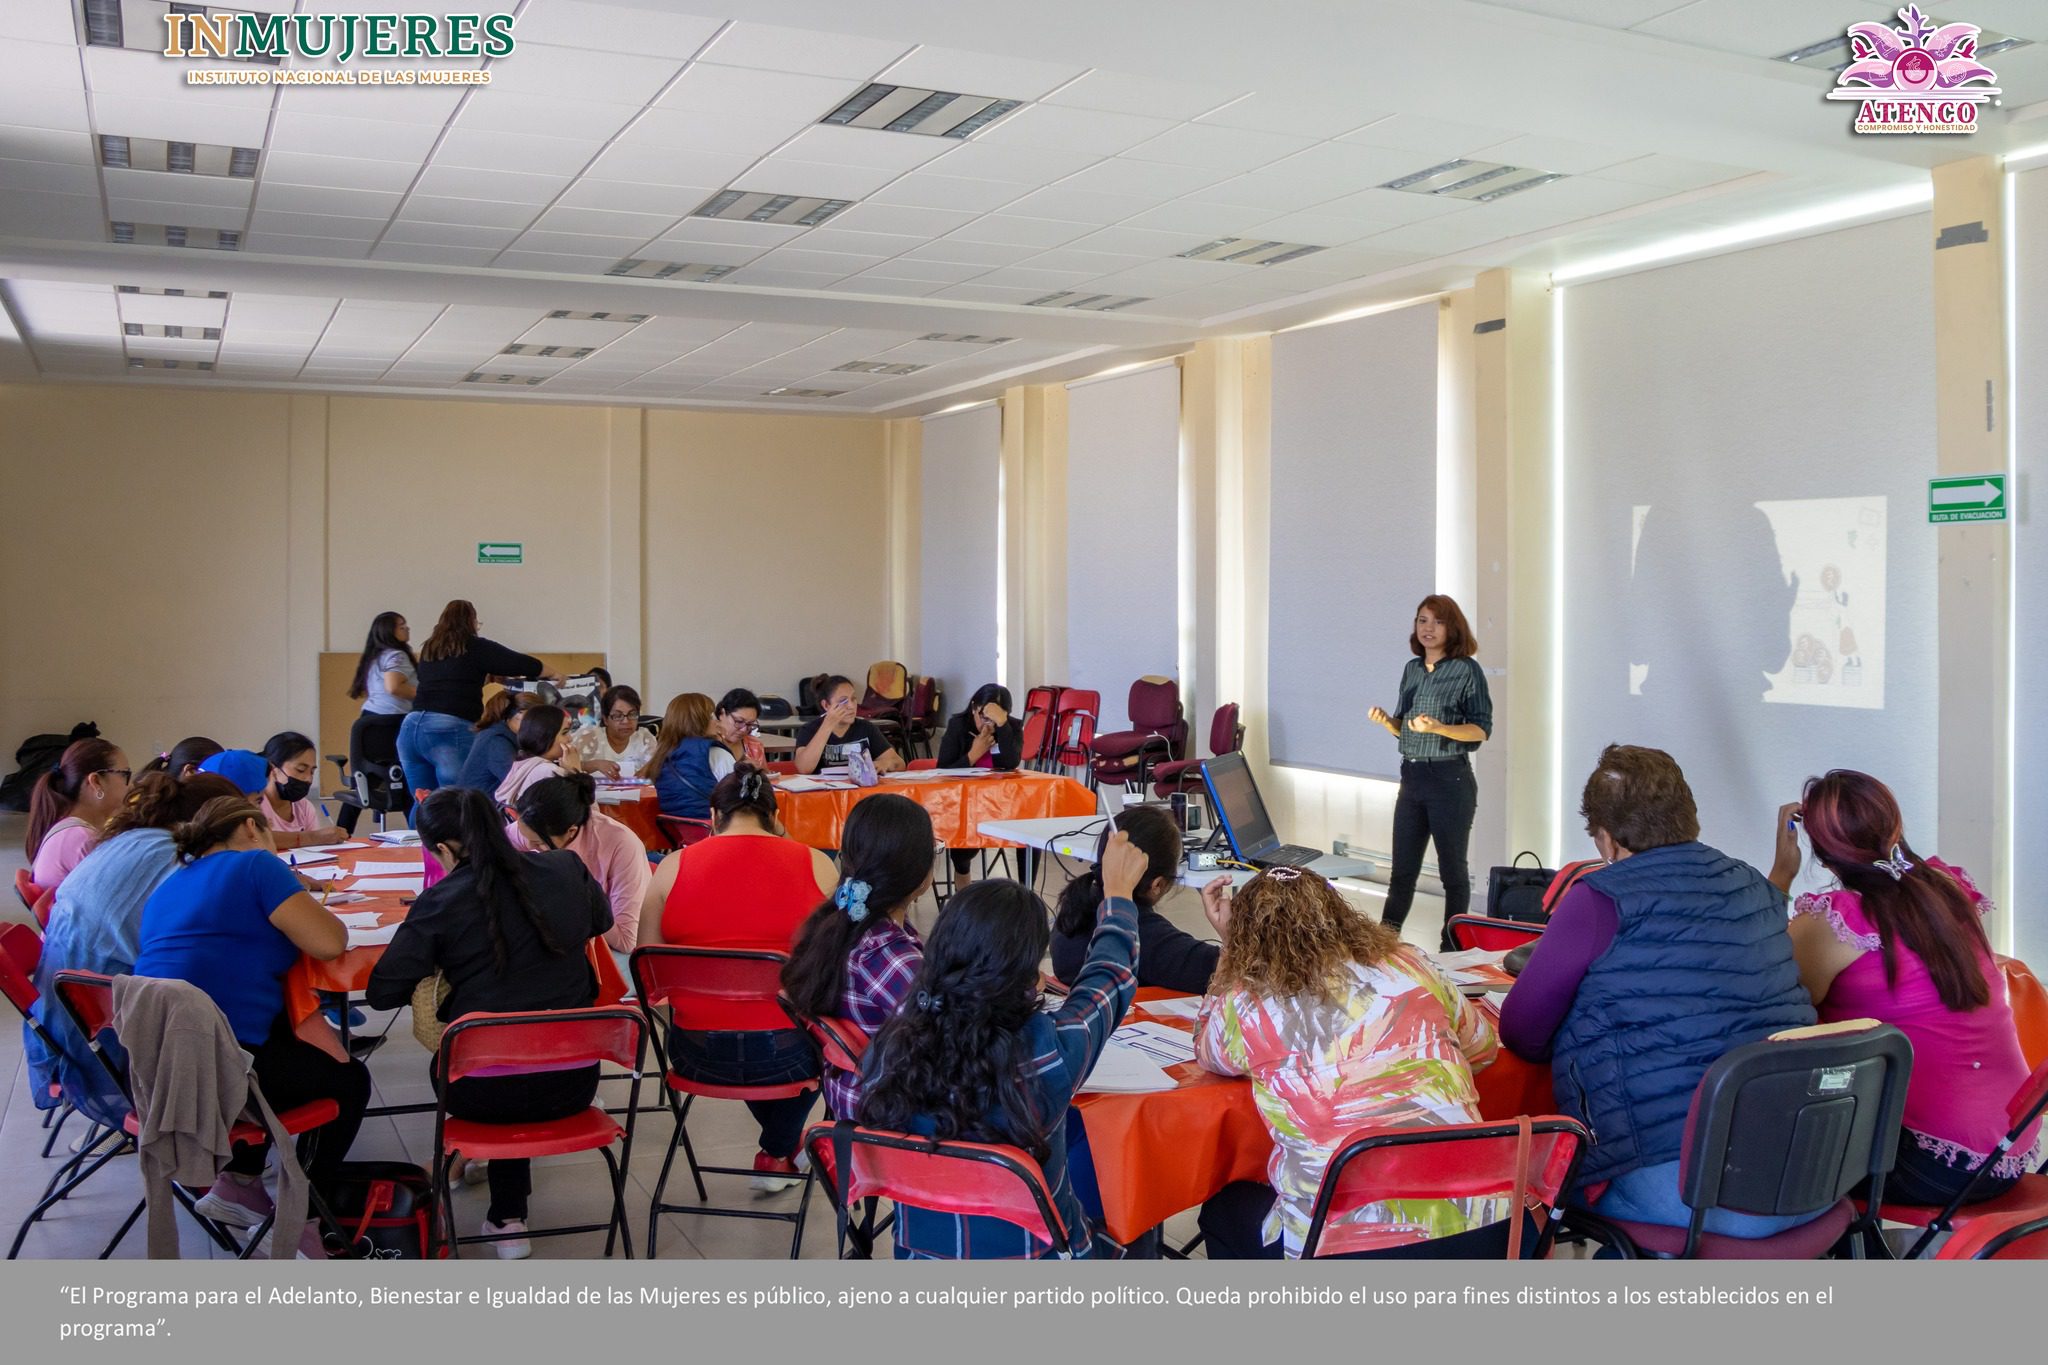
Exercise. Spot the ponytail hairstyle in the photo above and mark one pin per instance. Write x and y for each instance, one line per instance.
(885, 859)
(213, 824)
(688, 717)
(467, 820)
(186, 753)
(539, 727)
(383, 637)
(453, 634)
(501, 706)
(747, 789)
(159, 801)
(58, 790)
(1858, 833)
(825, 684)
(555, 805)
(956, 1057)
(1152, 829)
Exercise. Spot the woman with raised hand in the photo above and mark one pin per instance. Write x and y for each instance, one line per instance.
(1167, 955)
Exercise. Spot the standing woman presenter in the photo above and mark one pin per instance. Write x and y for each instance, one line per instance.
(1443, 714)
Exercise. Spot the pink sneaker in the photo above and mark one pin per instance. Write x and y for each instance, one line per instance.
(235, 1201)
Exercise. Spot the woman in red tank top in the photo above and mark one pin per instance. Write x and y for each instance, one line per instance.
(745, 887)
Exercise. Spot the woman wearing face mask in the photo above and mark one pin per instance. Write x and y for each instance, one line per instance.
(71, 803)
(561, 812)
(824, 740)
(295, 822)
(618, 747)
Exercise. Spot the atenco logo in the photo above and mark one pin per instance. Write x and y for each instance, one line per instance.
(341, 36)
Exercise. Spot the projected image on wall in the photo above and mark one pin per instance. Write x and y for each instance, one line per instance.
(1775, 601)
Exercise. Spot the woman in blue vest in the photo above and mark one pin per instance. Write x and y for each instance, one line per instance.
(1650, 969)
(688, 760)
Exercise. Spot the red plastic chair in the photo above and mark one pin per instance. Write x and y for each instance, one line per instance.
(681, 831)
(1036, 738)
(972, 1179)
(1490, 935)
(1073, 744)
(784, 766)
(1535, 1157)
(699, 989)
(1999, 1237)
(25, 888)
(1158, 734)
(917, 765)
(21, 952)
(88, 997)
(841, 1043)
(921, 713)
(2027, 1199)
(539, 1040)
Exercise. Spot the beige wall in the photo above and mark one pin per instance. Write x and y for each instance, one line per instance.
(767, 551)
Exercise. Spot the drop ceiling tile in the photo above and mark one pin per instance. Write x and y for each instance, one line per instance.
(936, 272)
(1130, 241)
(495, 111)
(1170, 276)
(184, 120)
(386, 103)
(1318, 115)
(212, 191)
(125, 210)
(832, 237)
(148, 75)
(524, 364)
(804, 51)
(976, 292)
(702, 131)
(834, 263)
(615, 28)
(980, 73)
(649, 165)
(50, 178)
(418, 253)
(1030, 165)
(783, 175)
(1155, 180)
(54, 145)
(598, 222)
(1218, 148)
(1756, 28)
(1079, 206)
(554, 263)
(700, 253)
(670, 201)
(1090, 263)
(871, 283)
(578, 73)
(1086, 130)
(983, 254)
(900, 219)
(1044, 281)
(1672, 172)
(863, 147)
(1391, 208)
(1442, 237)
(1205, 221)
(1431, 139)
(336, 172)
(571, 332)
(1311, 229)
(735, 232)
(330, 248)
(428, 208)
(1008, 230)
(1120, 93)
(614, 249)
(1605, 13)
(504, 187)
(189, 311)
(312, 199)
(482, 149)
(37, 23)
(922, 190)
(1553, 154)
(768, 96)
(317, 225)
(366, 138)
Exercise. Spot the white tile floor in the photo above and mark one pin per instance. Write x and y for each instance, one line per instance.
(566, 1190)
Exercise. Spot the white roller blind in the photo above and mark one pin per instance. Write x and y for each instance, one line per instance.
(1353, 531)
(1749, 572)
(2030, 549)
(1123, 588)
(957, 556)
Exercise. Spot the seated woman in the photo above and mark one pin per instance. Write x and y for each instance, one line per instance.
(1167, 956)
(617, 746)
(688, 760)
(745, 887)
(295, 822)
(735, 723)
(977, 1056)
(543, 752)
(506, 930)
(561, 812)
(1650, 969)
(496, 746)
(232, 920)
(70, 804)
(182, 759)
(1340, 1026)
(824, 741)
(856, 955)
(95, 923)
(985, 735)
(1903, 942)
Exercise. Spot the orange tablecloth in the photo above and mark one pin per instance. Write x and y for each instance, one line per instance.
(1158, 1154)
(957, 806)
(638, 816)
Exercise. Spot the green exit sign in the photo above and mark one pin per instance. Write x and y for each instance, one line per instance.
(1966, 497)
(500, 552)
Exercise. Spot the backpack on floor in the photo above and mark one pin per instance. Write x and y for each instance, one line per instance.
(386, 1209)
(36, 756)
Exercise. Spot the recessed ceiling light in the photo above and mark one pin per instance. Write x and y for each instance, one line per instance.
(908, 109)
(138, 25)
(965, 338)
(1482, 182)
(876, 367)
(162, 234)
(784, 210)
(1094, 303)
(527, 380)
(186, 158)
(560, 352)
(802, 393)
(168, 293)
(1503, 191)
(692, 271)
(1248, 251)
(1834, 53)
(567, 315)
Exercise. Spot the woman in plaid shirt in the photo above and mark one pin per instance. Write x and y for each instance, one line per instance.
(976, 1056)
(856, 956)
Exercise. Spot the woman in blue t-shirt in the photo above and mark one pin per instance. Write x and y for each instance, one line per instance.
(232, 920)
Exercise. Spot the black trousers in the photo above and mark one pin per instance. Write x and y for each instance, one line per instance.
(762, 1057)
(1231, 1229)
(534, 1097)
(293, 1072)
(1436, 804)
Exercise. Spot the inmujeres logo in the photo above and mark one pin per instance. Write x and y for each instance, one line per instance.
(1915, 78)
(340, 37)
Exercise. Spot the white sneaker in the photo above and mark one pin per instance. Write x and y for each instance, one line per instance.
(234, 1202)
(475, 1172)
(513, 1248)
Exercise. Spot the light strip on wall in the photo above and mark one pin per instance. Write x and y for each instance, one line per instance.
(2037, 152)
(1350, 314)
(2012, 564)
(1557, 573)
(1003, 545)
(1880, 204)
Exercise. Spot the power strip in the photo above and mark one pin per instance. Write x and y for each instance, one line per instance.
(1204, 860)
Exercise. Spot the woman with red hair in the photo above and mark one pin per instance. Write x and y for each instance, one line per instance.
(1901, 940)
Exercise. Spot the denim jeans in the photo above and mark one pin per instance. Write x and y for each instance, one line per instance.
(432, 747)
(1436, 804)
(1649, 1194)
(767, 1057)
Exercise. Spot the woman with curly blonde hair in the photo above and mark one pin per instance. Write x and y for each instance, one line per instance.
(1340, 1026)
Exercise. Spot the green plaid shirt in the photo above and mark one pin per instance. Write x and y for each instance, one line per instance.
(1454, 694)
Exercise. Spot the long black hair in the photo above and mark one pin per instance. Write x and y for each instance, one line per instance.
(189, 752)
(746, 789)
(885, 857)
(555, 805)
(383, 636)
(538, 728)
(284, 746)
(1152, 829)
(956, 1056)
(983, 695)
(467, 819)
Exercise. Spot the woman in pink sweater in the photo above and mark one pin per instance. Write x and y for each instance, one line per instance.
(1901, 941)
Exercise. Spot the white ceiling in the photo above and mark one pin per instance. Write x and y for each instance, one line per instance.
(400, 239)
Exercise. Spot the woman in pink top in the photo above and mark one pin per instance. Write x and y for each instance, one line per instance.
(561, 812)
(1902, 942)
(71, 803)
(544, 752)
(295, 822)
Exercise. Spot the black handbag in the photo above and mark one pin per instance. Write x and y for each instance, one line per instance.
(385, 1209)
(1516, 892)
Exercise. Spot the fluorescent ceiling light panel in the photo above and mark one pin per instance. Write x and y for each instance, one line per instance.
(1248, 251)
(965, 338)
(170, 293)
(138, 25)
(186, 158)
(1482, 182)
(527, 380)
(1833, 53)
(138, 363)
(877, 367)
(170, 234)
(568, 315)
(929, 113)
(559, 352)
(802, 393)
(167, 329)
(1093, 303)
(692, 271)
(783, 210)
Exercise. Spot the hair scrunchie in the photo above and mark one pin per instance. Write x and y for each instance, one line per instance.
(852, 897)
(930, 1003)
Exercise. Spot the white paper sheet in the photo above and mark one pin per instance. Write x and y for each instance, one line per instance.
(332, 848)
(303, 857)
(1163, 1043)
(323, 874)
(391, 869)
(371, 938)
(811, 784)
(411, 884)
(397, 836)
(1182, 1007)
(1124, 1070)
(360, 919)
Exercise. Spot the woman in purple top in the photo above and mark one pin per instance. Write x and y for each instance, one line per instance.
(856, 956)
(1902, 940)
